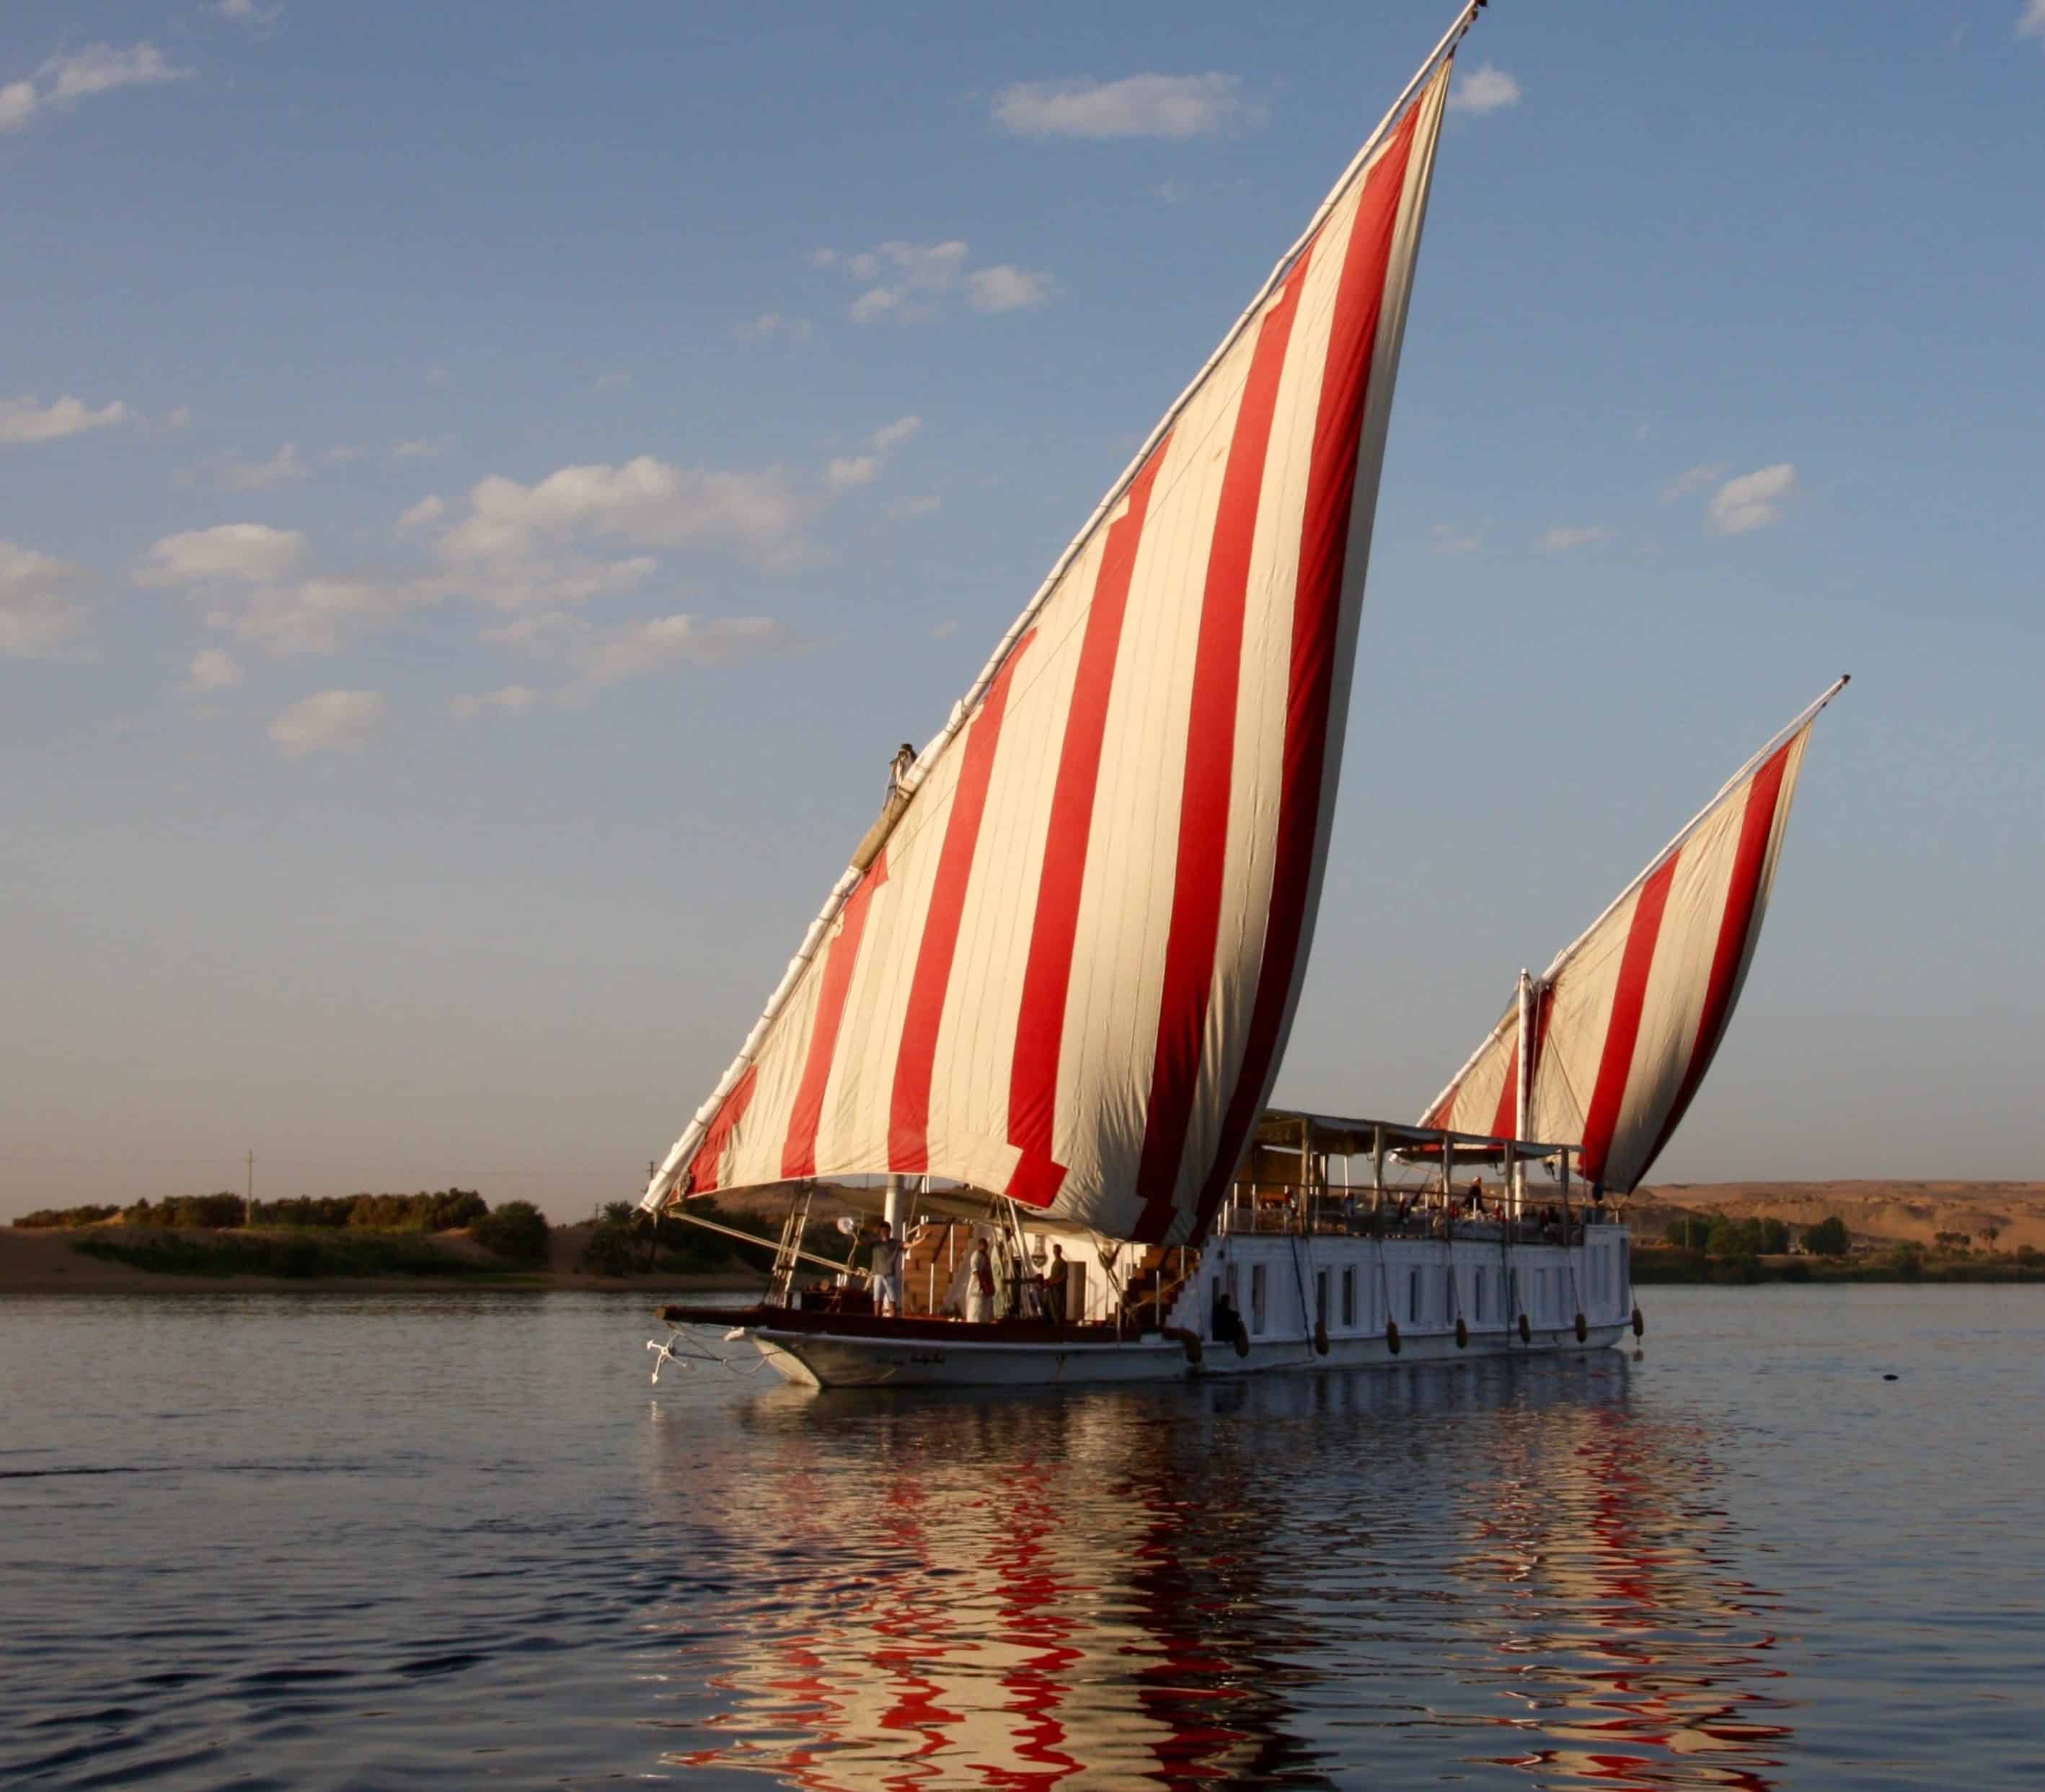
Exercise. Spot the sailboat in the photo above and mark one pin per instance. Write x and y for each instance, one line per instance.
(1036, 1025)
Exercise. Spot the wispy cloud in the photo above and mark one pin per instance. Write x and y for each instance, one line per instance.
(1007, 288)
(892, 435)
(427, 510)
(1752, 501)
(26, 419)
(909, 507)
(615, 381)
(247, 12)
(910, 281)
(1156, 105)
(1451, 537)
(770, 324)
(853, 469)
(1485, 89)
(2032, 23)
(1563, 536)
(230, 553)
(512, 700)
(213, 668)
(1697, 478)
(42, 604)
(334, 721)
(423, 448)
(608, 656)
(64, 80)
(229, 473)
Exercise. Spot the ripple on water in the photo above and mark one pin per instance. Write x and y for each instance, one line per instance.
(358, 1560)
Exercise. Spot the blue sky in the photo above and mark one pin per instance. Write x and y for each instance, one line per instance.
(484, 487)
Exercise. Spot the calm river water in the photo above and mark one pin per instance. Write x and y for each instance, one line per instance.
(403, 1541)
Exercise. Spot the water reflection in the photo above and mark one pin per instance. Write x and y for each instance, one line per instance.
(1500, 1574)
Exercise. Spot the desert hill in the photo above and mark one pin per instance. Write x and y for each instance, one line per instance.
(1890, 1211)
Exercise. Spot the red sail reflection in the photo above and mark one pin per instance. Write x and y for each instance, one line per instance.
(1273, 1583)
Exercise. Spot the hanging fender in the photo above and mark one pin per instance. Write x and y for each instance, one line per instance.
(1526, 1330)
(1191, 1340)
(1462, 1333)
(1583, 1330)
(1320, 1338)
(1640, 1324)
(1241, 1338)
(1391, 1335)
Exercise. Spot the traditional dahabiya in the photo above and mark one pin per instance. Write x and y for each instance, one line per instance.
(1035, 1027)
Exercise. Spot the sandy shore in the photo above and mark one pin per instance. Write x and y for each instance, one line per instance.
(44, 1262)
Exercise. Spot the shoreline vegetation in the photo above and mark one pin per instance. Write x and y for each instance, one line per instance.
(453, 1239)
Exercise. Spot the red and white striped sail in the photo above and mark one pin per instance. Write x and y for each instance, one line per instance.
(1625, 1022)
(1067, 973)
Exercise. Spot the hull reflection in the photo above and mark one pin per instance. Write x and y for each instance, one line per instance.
(1275, 1582)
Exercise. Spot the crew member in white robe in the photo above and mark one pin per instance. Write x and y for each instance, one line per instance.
(979, 1284)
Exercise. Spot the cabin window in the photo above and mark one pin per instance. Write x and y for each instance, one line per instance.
(1256, 1297)
(1477, 1295)
(1348, 1296)
(1413, 1298)
(1321, 1297)
(1076, 1293)
(1448, 1293)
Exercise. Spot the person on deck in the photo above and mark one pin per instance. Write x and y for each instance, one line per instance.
(1055, 1275)
(979, 1286)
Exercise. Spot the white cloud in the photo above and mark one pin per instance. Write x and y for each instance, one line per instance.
(213, 668)
(645, 501)
(894, 434)
(1696, 480)
(771, 324)
(316, 614)
(1752, 501)
(512, 699)
(24, 419)
(948, 627)
(42, 609)
(2032, 24)
(64, 80)
(248, 13)
(237, 553)
(1486, 89)
(1166, 106)
(334, 721)
(229, 473)
(911, 280)
(1006, 288)
(427, 510)
(1563, 538)
(423, 448)
(607, 656)
(857, 469)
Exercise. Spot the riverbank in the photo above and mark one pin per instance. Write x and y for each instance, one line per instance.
(119, 1262)
(1670, 1268)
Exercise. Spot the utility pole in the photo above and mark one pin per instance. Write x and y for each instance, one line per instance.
(249, 1196)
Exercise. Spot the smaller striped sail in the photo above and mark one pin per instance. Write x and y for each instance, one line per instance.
(1624, 1024)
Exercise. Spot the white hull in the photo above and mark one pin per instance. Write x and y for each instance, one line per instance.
(822, 1360)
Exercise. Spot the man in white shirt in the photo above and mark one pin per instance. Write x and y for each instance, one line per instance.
(886, 1272)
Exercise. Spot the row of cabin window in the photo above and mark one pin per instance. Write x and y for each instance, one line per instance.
(1431, 1296)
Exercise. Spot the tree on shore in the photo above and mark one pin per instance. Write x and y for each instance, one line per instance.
(1829, 1238)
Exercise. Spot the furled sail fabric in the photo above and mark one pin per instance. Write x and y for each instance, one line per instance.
(1066, 969)
(1626, 1020)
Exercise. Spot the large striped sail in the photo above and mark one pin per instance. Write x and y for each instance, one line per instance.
(1063, 964)
(1625, 1022)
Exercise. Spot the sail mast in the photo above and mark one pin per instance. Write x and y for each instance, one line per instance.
(733, 1088)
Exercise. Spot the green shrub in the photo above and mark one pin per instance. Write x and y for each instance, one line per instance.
(613, 1249)
(1688, 1234)
(1829, 1238)
(517, 1231)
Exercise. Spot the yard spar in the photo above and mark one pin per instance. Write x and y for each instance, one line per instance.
(1062, 966)
(1606, 1048)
